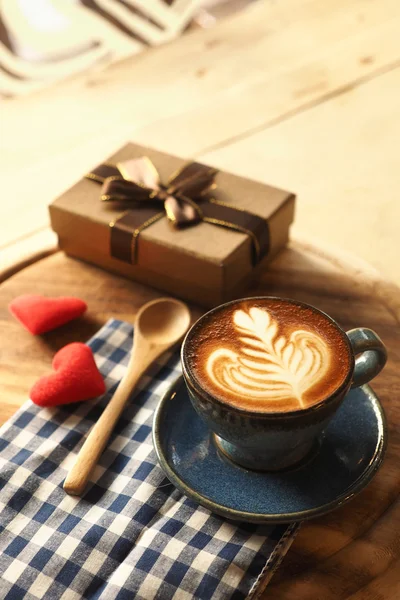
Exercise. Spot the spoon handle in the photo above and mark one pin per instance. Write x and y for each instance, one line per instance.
(97, 439)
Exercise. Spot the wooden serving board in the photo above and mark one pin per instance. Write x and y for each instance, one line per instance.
(355, 551)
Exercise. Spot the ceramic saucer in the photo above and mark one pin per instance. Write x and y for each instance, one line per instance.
(349, 454)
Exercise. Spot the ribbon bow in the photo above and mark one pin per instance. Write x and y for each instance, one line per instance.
(183, 200)
(137, 180)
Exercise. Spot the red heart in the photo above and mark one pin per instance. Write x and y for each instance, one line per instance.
(76, 378)
(39, 314)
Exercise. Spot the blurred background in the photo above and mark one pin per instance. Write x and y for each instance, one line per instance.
(42, 41)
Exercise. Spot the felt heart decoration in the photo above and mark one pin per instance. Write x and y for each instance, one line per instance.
(76, 378)
(39, 314)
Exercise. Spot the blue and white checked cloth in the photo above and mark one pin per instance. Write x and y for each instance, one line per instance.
(133, 535)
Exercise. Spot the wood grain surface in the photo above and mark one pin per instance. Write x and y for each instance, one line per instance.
(353, 553)
(302, 94)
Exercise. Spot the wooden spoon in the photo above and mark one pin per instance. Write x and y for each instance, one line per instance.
(159, 325)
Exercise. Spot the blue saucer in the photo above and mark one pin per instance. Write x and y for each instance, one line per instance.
(349, 454)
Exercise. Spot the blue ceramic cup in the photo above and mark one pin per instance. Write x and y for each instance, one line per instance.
(277, 440)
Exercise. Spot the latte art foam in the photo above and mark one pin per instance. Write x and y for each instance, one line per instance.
(278, 356)
(268, 365)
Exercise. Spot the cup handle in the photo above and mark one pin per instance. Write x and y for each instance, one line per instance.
(370, 354)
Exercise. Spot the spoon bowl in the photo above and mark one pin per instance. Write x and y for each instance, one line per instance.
(159, 325)
(163, 321)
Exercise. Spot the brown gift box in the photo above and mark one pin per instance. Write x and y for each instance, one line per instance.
(204, 263)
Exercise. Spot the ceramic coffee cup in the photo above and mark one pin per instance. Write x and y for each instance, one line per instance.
(267, 439)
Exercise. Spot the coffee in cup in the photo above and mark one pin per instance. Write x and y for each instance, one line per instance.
(269, 356)
(267, 374)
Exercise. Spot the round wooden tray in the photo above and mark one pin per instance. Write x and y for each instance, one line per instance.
(352, 553)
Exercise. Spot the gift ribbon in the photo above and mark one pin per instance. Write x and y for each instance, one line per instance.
(183, 200)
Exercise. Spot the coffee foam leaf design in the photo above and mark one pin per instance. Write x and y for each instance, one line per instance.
(268, 365)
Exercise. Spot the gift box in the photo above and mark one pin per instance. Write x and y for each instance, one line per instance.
(181, 227)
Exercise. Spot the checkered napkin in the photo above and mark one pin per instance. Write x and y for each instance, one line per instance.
(132, 535)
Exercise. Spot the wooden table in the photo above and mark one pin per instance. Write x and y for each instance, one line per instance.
(302, 94)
